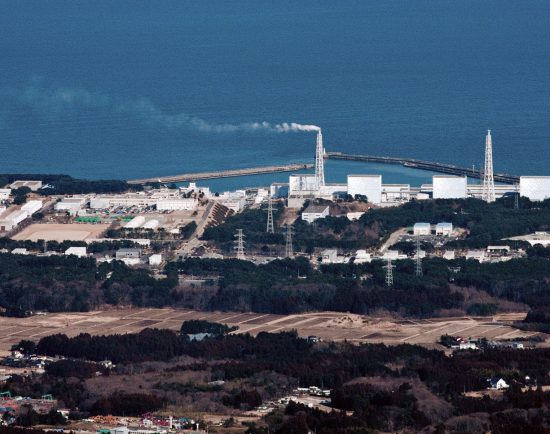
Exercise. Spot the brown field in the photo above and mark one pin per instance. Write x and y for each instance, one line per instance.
(327, 325)
(61, 232)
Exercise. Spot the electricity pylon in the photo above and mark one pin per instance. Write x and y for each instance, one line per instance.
(389, 273)
(239, 244)
(270, 227)
(418, 267)
(289, 251)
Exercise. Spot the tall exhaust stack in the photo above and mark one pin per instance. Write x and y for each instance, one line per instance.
(320, 161)
(488, 192)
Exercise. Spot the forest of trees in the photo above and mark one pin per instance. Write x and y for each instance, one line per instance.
(387, 388)
(65, 184)
(60, 283)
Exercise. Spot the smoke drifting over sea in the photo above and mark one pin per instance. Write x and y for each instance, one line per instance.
(54, 104)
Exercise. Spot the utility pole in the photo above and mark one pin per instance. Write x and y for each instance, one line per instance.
(389, 273)
(270, 227)
(239, 244)
(488, 192)
(289, 252)
(418, 267)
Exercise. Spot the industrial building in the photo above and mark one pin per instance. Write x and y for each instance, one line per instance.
(128, 253)
(449, 187)
(5, 193)
(535, 188)
(369, 186)
(315, 212)
(176, 204)
(76, 251)
(72, 205)
(422, 229)
(32, 185)
(444, 228)
(10, 221)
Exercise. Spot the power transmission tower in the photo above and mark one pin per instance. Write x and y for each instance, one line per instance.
(418, 267)
(239, 244)
(488, 192)
(389, 273)
(320, 161)
(270, 226)
(516, 197)
(289, 251)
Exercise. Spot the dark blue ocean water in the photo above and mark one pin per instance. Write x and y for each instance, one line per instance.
(148, 88)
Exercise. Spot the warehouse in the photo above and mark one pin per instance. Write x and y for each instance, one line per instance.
(315, 212)
(72, 205)
(449, 187)
(444, 228)
(11, 220)
(32, 206)
(366, 185)
(32, 185)
(535, 188)
(176, 204)
(422, 229)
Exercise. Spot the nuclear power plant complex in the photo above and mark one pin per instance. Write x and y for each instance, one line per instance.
(369, 186)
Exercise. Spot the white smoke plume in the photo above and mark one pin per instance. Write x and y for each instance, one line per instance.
(56, 102)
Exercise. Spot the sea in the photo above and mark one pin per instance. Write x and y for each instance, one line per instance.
(131, 88)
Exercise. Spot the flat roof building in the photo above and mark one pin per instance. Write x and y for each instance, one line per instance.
(444, 228)
(449, 187)
(369, 186)
(422, 229)
(535, 188)
(315, 212)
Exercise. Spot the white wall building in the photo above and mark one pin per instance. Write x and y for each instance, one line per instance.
(314, 212)
(449, 187)
(535, 188)
(5, 193)
(76, 251)
(444, 228)
(32, 206)
(71, 204)
(302, 183)
(8, 222)
(366, 185)
(32, 185)
(422, 229)
(177, 204)
(135, 223)
(155, 260)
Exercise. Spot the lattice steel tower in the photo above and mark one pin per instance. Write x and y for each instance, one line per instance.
(516, 197)
(289, 251)
(488, 192)
(270, 227)
(389, 273)
(320, 161)
(418, 265)
(239, 244)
